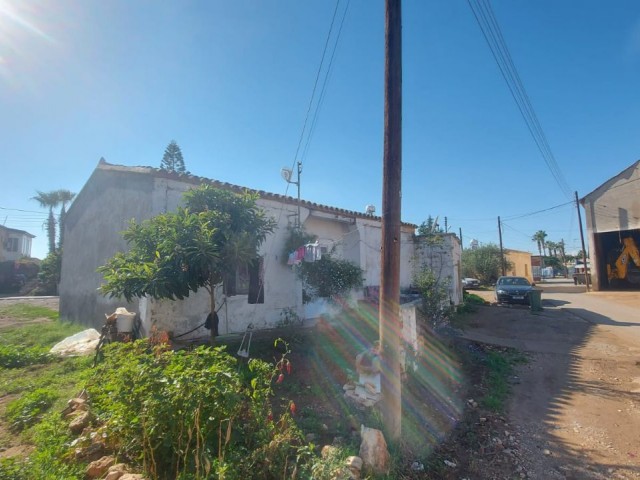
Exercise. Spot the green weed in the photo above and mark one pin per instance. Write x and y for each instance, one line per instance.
(499, 368)
(24, 311)
(12, 356)
(28, 409)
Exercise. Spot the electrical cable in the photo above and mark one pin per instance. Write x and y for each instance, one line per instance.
(492, 33)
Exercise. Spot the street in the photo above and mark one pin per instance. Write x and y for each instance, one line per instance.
(576, 403)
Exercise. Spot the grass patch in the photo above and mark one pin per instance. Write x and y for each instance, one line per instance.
(44, 335)
(499, 371)
(23, 311)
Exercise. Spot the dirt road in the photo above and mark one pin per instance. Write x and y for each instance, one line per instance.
(577, 404)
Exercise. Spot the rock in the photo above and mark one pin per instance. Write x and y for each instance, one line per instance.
(417, 467)
(98, 468)
(450, 464)
(324, 427)
(116, 471)
(373, 451)
(91, 453)
(132, 476)
(354, 462)
(354, 465)
(546, 451)
(483, 419)
(80, 422)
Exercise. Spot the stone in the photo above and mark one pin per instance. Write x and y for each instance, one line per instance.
(354, 465)
(80, 422)
(373, 451)
(91, 453)
(116, 471)
(99, 467)
(132, 476)
(354, 462)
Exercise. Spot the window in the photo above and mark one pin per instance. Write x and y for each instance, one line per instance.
(247, 280)
(12, 245)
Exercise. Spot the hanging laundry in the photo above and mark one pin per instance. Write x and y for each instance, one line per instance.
(300, 254)
(312, 252)
(292, 258)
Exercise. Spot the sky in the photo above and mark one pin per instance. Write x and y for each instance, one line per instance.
(231, 82)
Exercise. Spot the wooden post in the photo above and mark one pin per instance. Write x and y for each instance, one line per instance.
(502, 265)
(389, 313)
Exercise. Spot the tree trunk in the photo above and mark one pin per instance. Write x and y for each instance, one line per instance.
(213, 331)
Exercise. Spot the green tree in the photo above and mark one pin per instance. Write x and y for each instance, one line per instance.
(64, 198)
(329, 277)
(49, 200)
(539, 238)
(195, 247)
(483, 263)
(172, 159)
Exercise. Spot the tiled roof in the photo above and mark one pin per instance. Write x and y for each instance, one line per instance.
(196, 180)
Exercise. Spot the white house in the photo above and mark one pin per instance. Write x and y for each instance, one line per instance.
(115, 194)
(14, 244)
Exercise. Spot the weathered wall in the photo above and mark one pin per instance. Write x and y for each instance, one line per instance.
(92, 235)
(521, 264)
(443, 258)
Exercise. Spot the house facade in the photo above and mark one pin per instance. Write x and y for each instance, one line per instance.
(612, 215)
(115, 194)
(14, 244)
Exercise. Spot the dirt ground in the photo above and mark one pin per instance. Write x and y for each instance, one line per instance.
(575, 409)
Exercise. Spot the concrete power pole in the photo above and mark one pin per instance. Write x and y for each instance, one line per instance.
(584, 251)
(389, 313)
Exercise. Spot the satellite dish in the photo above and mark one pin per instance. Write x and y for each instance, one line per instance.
(370, 209)
(286, 174)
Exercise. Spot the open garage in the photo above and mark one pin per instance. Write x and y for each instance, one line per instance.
(613, 226)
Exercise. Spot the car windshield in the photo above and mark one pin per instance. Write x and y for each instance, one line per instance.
(513, 281)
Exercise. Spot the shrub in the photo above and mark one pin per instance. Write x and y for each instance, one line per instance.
(28, 409)
(193, 414)
(12, 356)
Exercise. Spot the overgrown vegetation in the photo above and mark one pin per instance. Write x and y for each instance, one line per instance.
(483, 263)
(499, 365)
(434, 292)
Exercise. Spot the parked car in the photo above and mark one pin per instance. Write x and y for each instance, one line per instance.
(469, 283)
(513, 290)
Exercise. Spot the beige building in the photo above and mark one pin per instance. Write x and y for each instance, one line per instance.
(520, 262)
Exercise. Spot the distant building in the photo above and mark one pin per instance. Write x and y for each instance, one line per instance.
(520, 263)
(14, 244)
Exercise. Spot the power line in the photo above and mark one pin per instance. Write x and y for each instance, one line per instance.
(315, 85)
(492, 33)
(515, 217)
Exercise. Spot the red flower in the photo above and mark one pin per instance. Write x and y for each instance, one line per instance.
(292, 408)
(288, 367)
(270, 417)
(280, 378)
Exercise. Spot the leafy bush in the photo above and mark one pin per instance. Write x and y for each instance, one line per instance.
(28, 409)
(12, 356)
(193, 414)
(435, 295)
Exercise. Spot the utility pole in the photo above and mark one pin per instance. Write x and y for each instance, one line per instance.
(461, 242)
(502, 265)
(446, 225)
(584, 250)
(389, 312)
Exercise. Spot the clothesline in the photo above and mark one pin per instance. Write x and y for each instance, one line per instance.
(311, 252)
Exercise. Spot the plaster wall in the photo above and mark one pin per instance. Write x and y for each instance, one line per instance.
(93, 224)
(615, 206)
(444, 259)
(521, 262)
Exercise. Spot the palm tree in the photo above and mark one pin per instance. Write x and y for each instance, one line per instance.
(49, 200)
(539, 237)
(64, 197)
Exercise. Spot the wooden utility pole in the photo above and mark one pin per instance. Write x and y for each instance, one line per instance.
(502, 265)
(389, 313)
(584, 250)
(461, 242)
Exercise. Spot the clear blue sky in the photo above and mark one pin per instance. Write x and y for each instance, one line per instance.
(231, 83)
